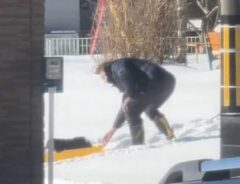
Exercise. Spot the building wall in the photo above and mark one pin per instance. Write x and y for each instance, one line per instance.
(86, 21)
(21, 98)
(87, 10)
(62, 15)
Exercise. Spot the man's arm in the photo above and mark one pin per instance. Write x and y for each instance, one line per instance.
(120, 118)
(128, 83)
(128, 78)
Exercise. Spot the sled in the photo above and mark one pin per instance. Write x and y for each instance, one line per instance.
(75, 153)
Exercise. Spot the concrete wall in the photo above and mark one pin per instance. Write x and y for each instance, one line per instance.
(21, 99)
(62, 15)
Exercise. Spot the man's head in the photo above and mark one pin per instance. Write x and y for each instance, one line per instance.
(104, 70)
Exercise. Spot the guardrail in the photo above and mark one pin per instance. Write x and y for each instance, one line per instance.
(81, 46)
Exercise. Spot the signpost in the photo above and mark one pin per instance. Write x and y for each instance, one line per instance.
(53, 82)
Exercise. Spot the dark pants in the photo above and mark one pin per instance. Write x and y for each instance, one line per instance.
(148, 103)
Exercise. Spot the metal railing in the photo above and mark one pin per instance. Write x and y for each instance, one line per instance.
(81, 46)
(192, 42)
(67, 46)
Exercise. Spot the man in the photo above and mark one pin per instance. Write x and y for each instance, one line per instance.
(145, 87)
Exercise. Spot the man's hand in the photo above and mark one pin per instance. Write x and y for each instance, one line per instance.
(108, 136)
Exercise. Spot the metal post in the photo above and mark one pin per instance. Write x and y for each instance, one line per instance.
(51, 91)
(230, 78)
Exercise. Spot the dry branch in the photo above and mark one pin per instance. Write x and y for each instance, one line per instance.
(140, 28)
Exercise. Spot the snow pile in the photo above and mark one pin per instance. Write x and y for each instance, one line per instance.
(88, 107)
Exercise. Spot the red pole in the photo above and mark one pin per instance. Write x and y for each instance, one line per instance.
(100, 11)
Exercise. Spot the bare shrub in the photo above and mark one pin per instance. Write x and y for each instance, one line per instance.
(140, 28)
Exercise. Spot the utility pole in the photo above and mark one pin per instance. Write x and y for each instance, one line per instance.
(230, 78)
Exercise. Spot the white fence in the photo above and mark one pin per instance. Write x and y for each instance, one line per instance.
(81, 46)
(67, 46)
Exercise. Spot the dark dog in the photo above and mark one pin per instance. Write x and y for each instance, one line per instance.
(75, 143)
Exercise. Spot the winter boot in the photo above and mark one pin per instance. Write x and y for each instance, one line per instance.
(163, 125)
(137, 134)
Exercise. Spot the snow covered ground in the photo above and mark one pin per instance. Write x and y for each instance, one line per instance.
(88, 106)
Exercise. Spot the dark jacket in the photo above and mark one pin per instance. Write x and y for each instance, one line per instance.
(136, 77)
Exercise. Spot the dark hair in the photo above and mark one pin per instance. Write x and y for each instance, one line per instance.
(103, 67)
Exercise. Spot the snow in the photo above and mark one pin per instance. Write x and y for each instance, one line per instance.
(197, 23)
(88, 106)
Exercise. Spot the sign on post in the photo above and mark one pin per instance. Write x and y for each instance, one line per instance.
(53, 82)
(53, 73)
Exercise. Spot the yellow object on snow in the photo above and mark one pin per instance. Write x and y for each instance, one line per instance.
(74, 153)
